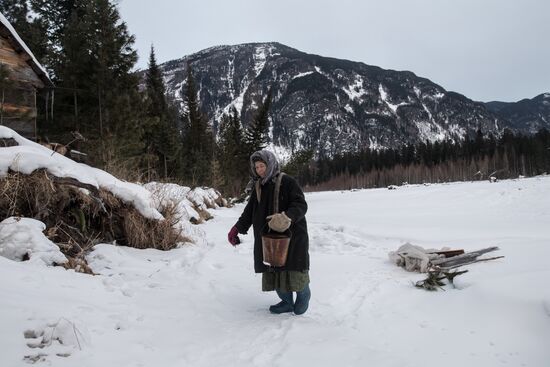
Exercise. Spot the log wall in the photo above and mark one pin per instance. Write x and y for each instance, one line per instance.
(18, 95)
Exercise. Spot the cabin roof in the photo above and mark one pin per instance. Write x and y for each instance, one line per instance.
(7, 31)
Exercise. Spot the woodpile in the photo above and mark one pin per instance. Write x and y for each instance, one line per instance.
(441, 266)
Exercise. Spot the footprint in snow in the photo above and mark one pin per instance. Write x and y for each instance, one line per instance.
(57, 339)
(217, 266)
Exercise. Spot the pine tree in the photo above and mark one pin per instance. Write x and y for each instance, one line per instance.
(155, 87)
(198, 142)
(232, 154)
(161, 133)
(299, 166)
(97, 94)
(256, 136)
(54, 16)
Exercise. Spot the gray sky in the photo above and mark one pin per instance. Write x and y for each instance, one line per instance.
(485, 49)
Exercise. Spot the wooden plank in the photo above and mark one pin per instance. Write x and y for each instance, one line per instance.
(8, 55)
(6, 34)
(450, 253)
(447, 268)
(15, 110)
(5, 44)
(25, 75)
(19, 61)
(19, 96)
(461, 259)
(11, 57)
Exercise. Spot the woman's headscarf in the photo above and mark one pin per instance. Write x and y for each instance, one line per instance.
(270, 161)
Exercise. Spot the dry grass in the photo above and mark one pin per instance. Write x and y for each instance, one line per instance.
(77, 219)
(146, 233)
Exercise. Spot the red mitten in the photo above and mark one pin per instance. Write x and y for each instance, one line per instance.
(233, 236)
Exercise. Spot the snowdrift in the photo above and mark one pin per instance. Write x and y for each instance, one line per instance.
(79, 206)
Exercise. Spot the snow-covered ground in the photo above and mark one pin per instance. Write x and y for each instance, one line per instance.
(202, 305)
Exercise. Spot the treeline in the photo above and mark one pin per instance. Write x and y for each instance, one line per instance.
(476, 158)
(97, 106)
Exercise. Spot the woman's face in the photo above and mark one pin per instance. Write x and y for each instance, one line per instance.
(260, 168)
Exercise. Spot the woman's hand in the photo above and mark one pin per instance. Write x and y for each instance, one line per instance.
(279, 222)
(233, 236)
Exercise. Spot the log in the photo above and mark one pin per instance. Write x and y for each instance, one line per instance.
(462, 259)
(73, 182)
(447, 268)
(449, 253)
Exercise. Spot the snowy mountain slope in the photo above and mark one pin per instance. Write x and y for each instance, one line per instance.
(527, 115)
(202, 305)
(331, 105)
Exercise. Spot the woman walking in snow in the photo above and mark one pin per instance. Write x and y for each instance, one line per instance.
(294, 275)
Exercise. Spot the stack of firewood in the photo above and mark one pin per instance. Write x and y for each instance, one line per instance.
(442, 271)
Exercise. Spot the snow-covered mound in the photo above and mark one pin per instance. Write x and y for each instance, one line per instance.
(182, 203)
(187, 201)
(190, 205)
(23, 238)
(29, 156)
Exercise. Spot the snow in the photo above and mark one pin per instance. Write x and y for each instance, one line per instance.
(431, 131)
(230, 76)
(29, 156)
(302, 75)
(184, 200)
(348, 108)
(356, 90)
(260, 58)
(455, 130)
(20, 237)
(384, 97)
(374, 144)
(201, 305)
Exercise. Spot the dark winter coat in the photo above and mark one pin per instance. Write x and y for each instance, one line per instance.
(293, 203)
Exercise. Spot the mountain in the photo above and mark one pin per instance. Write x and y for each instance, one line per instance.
(527, 116)
(330, 105)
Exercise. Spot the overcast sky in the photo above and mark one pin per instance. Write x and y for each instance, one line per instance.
(485, 49)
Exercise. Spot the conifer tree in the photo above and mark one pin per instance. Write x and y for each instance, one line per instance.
(299, 166)
(198, 142)
(155, 87)
(232, 154)
(256, 136)
(161, 133)
(54, 16)
(92, 56)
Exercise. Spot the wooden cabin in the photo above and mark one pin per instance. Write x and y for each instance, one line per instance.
(21, 78)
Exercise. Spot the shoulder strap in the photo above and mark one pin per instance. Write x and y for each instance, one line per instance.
(276, 194)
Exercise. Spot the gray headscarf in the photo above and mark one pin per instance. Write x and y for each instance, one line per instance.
(271, 162)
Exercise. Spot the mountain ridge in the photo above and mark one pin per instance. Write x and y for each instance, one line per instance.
(335, 105)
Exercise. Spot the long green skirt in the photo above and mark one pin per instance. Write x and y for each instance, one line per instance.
(285, 281)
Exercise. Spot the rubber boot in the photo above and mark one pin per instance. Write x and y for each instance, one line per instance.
(302, 300)
(286, 305)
